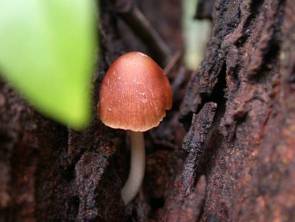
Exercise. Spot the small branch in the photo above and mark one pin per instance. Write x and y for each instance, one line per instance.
(173, 61)
(140, 25)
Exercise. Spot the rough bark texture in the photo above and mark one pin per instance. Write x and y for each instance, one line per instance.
(248, 72)
(234, 162)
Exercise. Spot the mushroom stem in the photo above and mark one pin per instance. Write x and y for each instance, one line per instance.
(137, 167)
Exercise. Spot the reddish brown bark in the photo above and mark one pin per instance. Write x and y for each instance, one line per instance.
(250, 171)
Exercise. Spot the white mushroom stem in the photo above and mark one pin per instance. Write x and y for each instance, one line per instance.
(137, 167)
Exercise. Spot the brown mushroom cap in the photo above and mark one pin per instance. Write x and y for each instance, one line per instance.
(135, 93)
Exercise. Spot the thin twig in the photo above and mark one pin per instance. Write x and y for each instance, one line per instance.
(174, 60)
(140, 25)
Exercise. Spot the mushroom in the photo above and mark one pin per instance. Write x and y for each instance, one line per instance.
(134, 95)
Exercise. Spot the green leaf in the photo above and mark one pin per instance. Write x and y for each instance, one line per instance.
(46, 52)
(196, 34)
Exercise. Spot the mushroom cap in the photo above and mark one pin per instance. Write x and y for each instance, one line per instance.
(135, 93)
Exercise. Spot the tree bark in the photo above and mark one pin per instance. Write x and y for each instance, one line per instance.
(231, 158)
(248, 71)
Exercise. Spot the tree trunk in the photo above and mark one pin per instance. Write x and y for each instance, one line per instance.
(226, 151)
